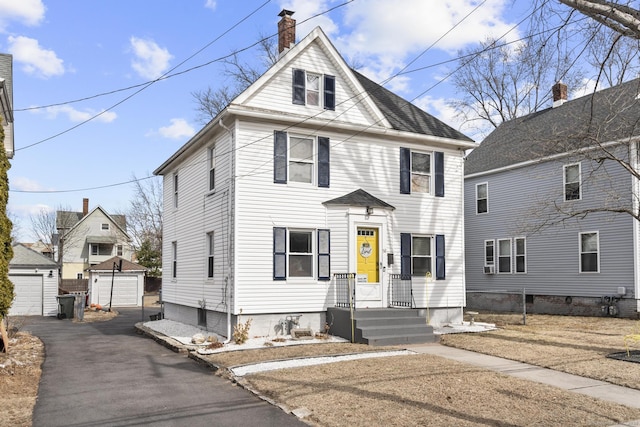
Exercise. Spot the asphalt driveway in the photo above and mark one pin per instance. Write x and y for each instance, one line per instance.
(104, 374)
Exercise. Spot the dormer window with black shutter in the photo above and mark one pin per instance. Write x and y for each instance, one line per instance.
(313, 89)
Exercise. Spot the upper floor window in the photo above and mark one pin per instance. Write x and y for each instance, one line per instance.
(589, 252)
(301, 159)
(104, 226)
(482, 198)
(572, 182)
(417, 172)
(314, 89)
(211, 161)
(101, 249)
(175, 190)
(119, 250)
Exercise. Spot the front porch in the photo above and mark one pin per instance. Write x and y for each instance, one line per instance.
(399, 323)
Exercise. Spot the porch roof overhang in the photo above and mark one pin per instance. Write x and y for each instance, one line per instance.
(101, 239)
(359, 198)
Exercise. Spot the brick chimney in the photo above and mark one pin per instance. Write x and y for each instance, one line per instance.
(559, 91)
(286, 30)
(85, 207)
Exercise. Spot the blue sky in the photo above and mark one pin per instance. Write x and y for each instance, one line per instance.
(71, 50)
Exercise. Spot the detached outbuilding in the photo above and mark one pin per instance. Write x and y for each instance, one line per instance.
(128, 284)
(35, 281)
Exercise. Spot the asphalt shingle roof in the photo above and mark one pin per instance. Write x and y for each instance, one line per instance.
(126, 265)
(359, 198)
(25, 257)
(609, 115)
(405, 116)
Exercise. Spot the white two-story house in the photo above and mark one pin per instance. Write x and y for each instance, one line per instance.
(314, 188)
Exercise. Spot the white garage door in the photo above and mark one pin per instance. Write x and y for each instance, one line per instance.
(28, 295)
(125, 290)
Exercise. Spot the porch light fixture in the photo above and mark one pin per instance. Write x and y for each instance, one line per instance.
(369, 210)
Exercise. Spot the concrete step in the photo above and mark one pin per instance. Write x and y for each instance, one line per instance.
(383, 340)
(374, 331)
(388, 321)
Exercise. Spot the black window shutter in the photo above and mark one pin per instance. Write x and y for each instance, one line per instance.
(324, 255)
(405, 254)
(299, 87)
(405, 171)
(329, 93)
(279, 253)
(323, 162)
(439, 170)
(280, 157)
(440, 266)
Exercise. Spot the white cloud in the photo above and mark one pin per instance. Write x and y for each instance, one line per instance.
(26, 12)
(22, 183)
(35, 59)
(179, 128)
(151, 60)
(210, 4)
(77, 116)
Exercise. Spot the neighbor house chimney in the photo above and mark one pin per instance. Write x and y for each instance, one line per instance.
(286, 30)
(85, 207)
(559, 91)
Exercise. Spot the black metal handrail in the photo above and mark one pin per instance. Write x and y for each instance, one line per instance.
(345, 290)
(401, 292)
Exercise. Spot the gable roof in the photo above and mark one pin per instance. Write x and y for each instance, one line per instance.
(609, 115)
(108, 265)
(28, 258)
(359, 198)
(68, 219)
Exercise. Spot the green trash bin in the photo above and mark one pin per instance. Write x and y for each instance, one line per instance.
(65, 306)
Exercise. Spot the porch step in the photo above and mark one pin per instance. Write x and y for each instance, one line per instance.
(380, 327)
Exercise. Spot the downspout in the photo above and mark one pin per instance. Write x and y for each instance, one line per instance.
(227, 280)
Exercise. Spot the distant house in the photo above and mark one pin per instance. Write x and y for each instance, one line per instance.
(35, 281)
(43, 248)
(111, 286)
(89, 238)
(545, 202)
(313, 182)
(6, 101)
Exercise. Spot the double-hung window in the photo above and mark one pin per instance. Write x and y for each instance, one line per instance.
(174, 258)
(303, 159)
(211, 163)
(417, 255)
(421, 172)
(314, 89)
(175, 190)
(572, 182)
(482, 198)
(210, 248)
(299, 253)
(504, 255)
(589, 252)
(119, 250)
(489, 253)
(520, 244)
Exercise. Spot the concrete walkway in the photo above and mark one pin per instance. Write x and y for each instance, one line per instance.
(594, 388)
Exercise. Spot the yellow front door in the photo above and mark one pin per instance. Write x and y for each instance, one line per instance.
(368, 254)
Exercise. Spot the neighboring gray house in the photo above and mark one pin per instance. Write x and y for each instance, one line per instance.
(547, 203)
(35, 281)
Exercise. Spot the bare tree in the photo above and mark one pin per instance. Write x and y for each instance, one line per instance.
(51, 228)
(241, 73)
(144, 216)
(620, 17)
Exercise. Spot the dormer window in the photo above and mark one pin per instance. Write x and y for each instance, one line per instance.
(314, 89)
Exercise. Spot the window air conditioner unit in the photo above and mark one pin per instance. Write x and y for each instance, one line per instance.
(488, 269)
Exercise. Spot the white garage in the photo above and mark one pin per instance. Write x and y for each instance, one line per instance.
(35, 283)
(128, 284)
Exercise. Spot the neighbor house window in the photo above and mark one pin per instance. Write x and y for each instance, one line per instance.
(101, 249)
(212, 168)
(210, 254)
(482, 198)
(174, 257)
(79, 276)
(119, 249)
(301, 159)
(104, 226)
(489, 253)
(417, 175)
(572, 187)
(520, 244)
(314, 89)
(589, 252)
(504, 256)
(175, 190)
(296, 253)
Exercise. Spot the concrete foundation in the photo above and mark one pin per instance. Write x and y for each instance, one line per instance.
(606, 306)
